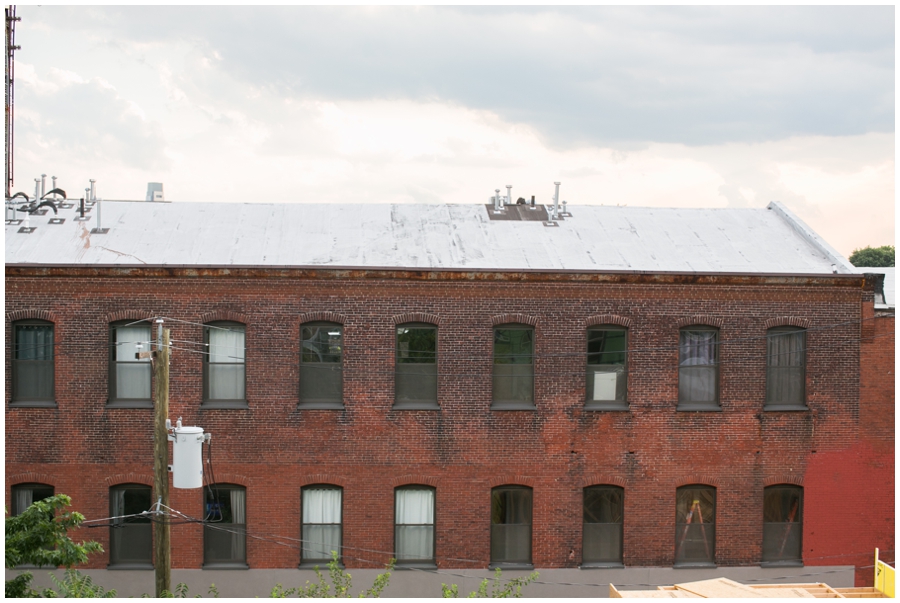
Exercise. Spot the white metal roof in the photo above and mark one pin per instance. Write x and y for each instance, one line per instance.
(595, 238)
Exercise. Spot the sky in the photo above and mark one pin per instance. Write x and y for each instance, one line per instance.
(640, 106)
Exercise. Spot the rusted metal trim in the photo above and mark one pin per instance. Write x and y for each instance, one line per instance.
(434, 274)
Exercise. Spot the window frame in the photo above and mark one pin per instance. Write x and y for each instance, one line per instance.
(513, 404)
(431, 562)
(16, 398)
(223, 402)
(321, 403)
(608, 562)
(237, 533)
(113, 400)
(770, 369)
(681, 530)
(14, 507)
(506, 563)
(310, 562)
(619, 403)
(690, 404)
(114, 525)
(423, 404)
(797, 525)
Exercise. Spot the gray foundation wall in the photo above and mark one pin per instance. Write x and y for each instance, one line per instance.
(414, 583)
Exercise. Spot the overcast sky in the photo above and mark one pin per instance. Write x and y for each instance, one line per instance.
(642, 106)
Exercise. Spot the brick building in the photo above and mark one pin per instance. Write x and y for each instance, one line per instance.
(615, 396)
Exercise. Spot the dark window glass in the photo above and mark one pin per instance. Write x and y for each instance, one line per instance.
(786, 367)
(25, 494)
(782, 524)
(511, 525)
(224, 363)
(513, 367)
(698, 370)
(603, 510)
(33, 362)
(321, 529)
(695, 525)
(416, 368)
(225, 526)
(130, 536)
(606, 362)
(414, 525)
(321, 365)
(129, 377)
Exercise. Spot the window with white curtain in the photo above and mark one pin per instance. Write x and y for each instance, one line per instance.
(224, 364)
(785, 368)
(321, 524)
(32, 365)
(129, 377)
(698, 368)
(225, 526)
(414, 525)
(25, 494)
(130, 533)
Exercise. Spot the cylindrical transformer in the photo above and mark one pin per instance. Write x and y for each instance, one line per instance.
(187, 457)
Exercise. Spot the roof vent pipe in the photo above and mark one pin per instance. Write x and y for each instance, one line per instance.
(565, 211)
(498, 203)
(93, 190)
(37, 192)
(556, 202)
(509, 200)
(53, 178)
(43, 185)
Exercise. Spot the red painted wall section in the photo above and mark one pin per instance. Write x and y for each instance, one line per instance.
(849, 493)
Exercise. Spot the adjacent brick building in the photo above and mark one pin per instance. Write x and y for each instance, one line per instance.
(616, 390)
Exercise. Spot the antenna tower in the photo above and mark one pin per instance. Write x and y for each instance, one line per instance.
(11, 48)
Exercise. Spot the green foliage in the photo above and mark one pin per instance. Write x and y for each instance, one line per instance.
(873, 257)
(501, 589)
(181, 592)
(341, 583)
(38, 536)
(75, 585)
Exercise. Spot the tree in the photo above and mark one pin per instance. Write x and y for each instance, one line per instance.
(873, 257)
(39, 536)
(341, 581)
(510, 589)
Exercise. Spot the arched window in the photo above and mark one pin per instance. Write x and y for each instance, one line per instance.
(785, 368)
(130, 533)
(225, 526)
(25, 494)
(321, 524)
(321, 365)
(607, 367)
(513, 367)
(129, 377)
(695, 526)
(415, 383)
(414, 526)
(783, 525)
(511, 526)
(698, 368)
(32, 364)
(603, 514)
(224, 374)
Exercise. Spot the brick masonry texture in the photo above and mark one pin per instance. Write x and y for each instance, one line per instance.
(841, 450)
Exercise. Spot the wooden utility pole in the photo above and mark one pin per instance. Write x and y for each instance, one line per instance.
(162, 552)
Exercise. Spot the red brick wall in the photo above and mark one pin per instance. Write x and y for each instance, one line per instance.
(465, 448)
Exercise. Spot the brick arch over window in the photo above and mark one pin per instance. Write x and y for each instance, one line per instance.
(425, 317)
(510, 318)
(608, 319)
(324, 479)
(414, 480)
(128, 315)
(323, 316)
(31, 314)
(29, 477)
(697, 479)
(784, 478)
(511, 480)
(700, 319)
(603, 479)
(233, 478)
(788, 321)
(230, 315)
(129, 478)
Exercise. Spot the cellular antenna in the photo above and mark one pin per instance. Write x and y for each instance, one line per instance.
(11, 48)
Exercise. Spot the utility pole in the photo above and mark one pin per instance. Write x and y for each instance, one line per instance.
(162, 552)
